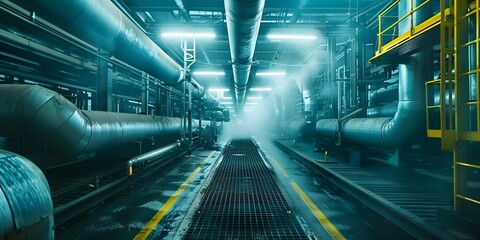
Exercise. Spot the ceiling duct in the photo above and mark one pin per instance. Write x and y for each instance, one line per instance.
(243, 24)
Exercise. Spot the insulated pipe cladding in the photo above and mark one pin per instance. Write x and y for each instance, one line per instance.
(243, 24)
(102, 24)
(26, 208)
(408, 123)
(50, 118)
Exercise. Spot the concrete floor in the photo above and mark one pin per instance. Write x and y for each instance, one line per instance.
(124, 216)
(344, 215)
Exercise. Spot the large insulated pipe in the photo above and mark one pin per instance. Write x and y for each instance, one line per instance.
(50, 118)
(409, 121)
(26, 209)
(103, 24)
(243, 24)
(384, 95)
(387, 110)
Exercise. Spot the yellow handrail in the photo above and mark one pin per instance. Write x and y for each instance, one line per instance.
(382, 31)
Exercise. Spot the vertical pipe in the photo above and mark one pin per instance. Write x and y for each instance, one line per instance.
(353, 72)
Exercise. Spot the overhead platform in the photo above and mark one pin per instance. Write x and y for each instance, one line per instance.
(392, 47)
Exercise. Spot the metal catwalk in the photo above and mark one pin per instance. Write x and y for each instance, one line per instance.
(243, 201)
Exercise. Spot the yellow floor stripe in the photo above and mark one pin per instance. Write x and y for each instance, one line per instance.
(329, 227)
(280, 168)
(145, 232)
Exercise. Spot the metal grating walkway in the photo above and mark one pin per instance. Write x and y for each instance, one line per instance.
(243, 201)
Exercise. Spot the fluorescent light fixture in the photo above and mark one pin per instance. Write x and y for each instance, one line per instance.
(251, 103)
(281, 73)
(226, 103)
(260, 89)
(208, 73)
(187, 35)
(218, 89)
(247, 107)
(255, 98)
(291, 37)
(226, 98)
(135, 102)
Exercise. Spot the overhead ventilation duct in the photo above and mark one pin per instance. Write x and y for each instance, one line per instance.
(408, 123)
(50, 118)
(102, 24)
(243, 24)
(26, 209)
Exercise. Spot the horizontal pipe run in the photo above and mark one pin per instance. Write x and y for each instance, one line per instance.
(31, 46)
(388, 110)
(243, 24)
(115, 33)
(149, 156)
(48, 117)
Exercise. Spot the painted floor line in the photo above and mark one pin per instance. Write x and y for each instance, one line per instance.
(327, 225)
(145, 232)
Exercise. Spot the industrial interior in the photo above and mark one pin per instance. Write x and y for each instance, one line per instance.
(239, 119)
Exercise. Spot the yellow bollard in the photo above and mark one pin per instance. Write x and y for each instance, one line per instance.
(326, 154)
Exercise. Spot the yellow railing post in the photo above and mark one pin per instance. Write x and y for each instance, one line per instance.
(379, 33)
(410, 13)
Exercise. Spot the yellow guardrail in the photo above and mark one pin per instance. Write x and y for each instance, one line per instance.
(388, 36)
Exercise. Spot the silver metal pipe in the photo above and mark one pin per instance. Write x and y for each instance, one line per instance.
(48, 117)
(298, 12)
(149, 156)
(26, 208)
(104, 25)
(243, 24)
(408, 123)
(183, 10)
(387, 110)
(384, 95)
(31, 46)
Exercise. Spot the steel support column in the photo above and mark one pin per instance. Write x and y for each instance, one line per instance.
(145, 92)
(104, 83)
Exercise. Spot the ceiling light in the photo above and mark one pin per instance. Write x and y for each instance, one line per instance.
(260, 89)
(226, 97)
(218, 89)
(251, 103)
(255, 98)
(281, 73)
(291, 37)
(226, 103)
(187, 35)
(246, 107)
(207, 73)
